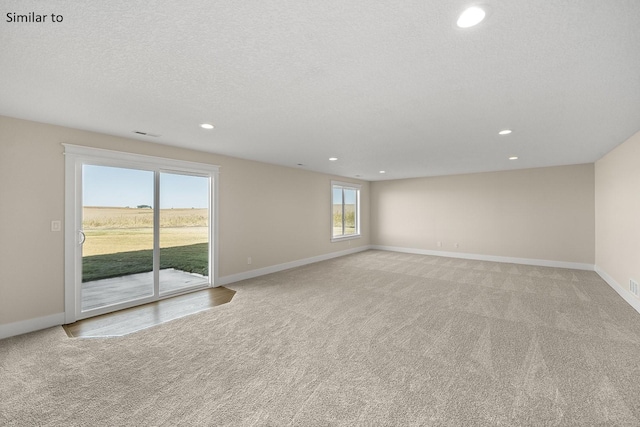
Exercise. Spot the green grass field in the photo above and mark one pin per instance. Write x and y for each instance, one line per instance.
(119, 241)
(189, 258)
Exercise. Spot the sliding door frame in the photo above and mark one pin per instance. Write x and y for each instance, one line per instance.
(75, 157)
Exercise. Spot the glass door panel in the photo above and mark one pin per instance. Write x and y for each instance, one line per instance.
(117, 223)
(184, 231)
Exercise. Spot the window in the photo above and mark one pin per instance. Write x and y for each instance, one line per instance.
(345, 210)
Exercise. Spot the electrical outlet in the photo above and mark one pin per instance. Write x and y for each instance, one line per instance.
(249, 260)
(56, 225)
(633, 287)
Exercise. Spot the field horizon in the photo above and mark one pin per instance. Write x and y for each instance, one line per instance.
(111, 230)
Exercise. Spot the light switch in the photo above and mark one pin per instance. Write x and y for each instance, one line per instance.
(56, 225)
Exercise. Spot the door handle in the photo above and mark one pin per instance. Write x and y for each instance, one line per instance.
(82, 237)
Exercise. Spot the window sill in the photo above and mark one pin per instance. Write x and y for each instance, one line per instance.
(343, 238)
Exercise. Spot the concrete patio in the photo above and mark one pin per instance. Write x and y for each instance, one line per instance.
(104, 292)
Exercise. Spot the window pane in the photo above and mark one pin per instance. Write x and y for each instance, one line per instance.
(345, 221)
(117, 221)
(184, 231)
(350, 200)
(337, 211)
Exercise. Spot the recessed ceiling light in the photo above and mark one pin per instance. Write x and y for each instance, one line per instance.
(513, 158)
(470, 17)
(206, 126)
(383, 171)
(504, 132)
(333, 159)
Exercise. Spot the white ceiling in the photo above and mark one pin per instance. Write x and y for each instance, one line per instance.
(391, 85)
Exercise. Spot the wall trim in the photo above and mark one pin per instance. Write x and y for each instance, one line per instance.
(493, 258)
(625, 294)
(225, 280)
(31, 325)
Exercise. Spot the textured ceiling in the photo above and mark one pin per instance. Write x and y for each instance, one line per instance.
(391, 85)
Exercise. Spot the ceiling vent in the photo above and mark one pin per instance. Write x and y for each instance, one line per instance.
(146, 134)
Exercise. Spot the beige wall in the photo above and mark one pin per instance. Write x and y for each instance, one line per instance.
(273, 214)
(617, 189)
(541, 214)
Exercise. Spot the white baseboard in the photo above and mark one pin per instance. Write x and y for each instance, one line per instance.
(18, 328)
(624, 293)
(225, 280)
(493, 258)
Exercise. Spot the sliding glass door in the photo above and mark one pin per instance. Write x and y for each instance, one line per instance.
(139, 229)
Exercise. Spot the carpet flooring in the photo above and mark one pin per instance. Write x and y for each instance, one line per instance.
(374, 338)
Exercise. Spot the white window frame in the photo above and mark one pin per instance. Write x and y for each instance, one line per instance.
(75, 157)
(347, 186)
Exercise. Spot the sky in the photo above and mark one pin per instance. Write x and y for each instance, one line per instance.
(349, 196)
(120, 187)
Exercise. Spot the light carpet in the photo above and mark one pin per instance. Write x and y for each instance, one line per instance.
(374, 338)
